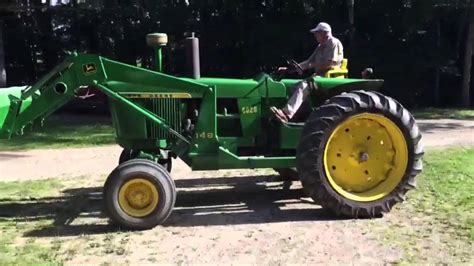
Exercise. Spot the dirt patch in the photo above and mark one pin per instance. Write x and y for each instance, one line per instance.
(49, 163)
(439, 133)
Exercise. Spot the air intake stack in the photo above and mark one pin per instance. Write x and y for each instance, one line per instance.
(157, 41)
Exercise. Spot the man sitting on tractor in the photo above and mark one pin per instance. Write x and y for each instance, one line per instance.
(328, 55)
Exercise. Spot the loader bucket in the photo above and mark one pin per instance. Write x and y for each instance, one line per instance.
(5, 102)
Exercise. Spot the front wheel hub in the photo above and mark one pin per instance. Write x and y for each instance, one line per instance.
(138, 197)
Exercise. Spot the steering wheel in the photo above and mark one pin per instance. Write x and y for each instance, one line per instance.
(294, 64)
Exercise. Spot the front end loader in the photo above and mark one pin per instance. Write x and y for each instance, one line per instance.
(355, 150)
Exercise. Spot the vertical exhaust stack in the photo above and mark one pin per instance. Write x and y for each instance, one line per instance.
(192, 57)
(157, 41)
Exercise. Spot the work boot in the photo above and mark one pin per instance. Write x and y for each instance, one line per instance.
(280, 114)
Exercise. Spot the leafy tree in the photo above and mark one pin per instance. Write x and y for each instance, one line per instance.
(417, 46)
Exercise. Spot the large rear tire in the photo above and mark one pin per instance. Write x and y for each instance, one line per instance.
(359, 154)
(139, 194)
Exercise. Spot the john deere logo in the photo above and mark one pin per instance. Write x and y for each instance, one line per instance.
(89, 68)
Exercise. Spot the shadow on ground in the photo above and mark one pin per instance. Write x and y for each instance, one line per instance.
(9, 155)
(200, 202)
(436, 126)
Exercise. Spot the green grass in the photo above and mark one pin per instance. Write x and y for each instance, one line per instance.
(23, 254)
(14, 251)
(35, 224)
(438, 113)
(64, 131)
(436, 223)
(445, 189)
(28, 189)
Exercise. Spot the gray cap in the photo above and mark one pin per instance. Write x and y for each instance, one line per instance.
(322, 26)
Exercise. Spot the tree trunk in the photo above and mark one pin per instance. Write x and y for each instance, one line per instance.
(350, 16)
(438, 62)
(467, 63)
(3, 73)
(350, 10)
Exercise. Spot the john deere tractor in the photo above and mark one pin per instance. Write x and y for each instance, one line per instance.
(356, 151)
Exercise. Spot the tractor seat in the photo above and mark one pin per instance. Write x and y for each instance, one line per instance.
(341, 72)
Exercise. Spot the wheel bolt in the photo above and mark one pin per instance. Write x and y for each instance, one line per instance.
(363, 157)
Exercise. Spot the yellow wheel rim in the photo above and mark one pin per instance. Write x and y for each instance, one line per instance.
(366, 157)
(138, 197)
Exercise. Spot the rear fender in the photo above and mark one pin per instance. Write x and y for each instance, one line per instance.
(336, 85)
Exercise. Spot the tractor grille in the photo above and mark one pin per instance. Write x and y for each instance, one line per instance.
(170, 111)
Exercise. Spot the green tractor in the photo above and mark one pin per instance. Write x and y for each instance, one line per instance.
(356, 151)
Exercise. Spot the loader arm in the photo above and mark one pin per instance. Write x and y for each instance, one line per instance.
(20, 107)
(38, 101)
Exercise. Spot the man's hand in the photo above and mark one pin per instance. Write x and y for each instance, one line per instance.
(282, 69)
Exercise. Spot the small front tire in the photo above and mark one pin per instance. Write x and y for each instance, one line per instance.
(127, 154)
(139, 194)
